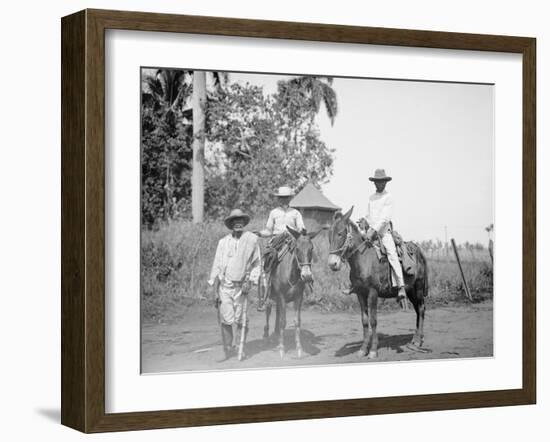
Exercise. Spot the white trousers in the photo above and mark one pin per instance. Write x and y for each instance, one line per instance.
(232, 303)
(387, 240)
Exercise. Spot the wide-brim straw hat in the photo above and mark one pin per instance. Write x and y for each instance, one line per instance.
(380, 175)
(284, 191)
(236, 213)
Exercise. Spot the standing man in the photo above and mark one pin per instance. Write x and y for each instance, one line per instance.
(276, 230)
(379, 216)
(236, 268)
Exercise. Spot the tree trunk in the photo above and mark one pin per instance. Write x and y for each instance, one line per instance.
(197, 178)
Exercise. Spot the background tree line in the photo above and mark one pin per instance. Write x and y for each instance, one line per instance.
(209, 144)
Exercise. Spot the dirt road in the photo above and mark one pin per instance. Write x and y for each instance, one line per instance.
(194, 342)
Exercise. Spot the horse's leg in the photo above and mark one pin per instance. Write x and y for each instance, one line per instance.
(420, 309)
(298, 322)
(267, 315)
(277, 317)
(282, 325)
(372, 303)
(365, 322)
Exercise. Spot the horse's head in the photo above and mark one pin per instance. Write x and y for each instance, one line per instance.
(338, 239)
(304, 252)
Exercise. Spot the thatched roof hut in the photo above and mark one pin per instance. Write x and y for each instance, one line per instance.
(317, 210)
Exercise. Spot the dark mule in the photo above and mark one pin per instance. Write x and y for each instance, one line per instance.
(370, 279)
(288, 281)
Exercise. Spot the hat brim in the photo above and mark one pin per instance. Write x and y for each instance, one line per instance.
(284, 194)
(388, 178)
(229, 219)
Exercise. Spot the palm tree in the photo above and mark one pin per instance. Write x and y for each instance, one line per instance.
(316, 90)
(167, 91)
(197, 177)
(170, 88)
(199, 138)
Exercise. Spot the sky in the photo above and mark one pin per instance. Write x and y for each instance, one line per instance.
(436, 140)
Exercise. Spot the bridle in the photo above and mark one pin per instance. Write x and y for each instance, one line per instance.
(300, 265)
(344, 251)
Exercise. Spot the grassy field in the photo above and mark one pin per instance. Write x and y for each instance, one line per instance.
(176, 262)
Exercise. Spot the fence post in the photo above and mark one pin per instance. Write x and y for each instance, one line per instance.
(461, 271)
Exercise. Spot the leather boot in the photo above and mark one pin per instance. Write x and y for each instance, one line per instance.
(402, 298)
(262, 298)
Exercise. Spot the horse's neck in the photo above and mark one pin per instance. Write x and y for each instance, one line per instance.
(358, 260)
(288, 267)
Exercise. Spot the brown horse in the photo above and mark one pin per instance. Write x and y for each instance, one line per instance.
(370, 279)
(288, 281)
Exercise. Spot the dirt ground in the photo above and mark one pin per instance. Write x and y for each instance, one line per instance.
(194, 342)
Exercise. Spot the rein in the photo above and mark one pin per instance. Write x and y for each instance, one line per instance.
(344, 251)
(300, 265)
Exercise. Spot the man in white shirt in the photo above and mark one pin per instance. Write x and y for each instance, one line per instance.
(283, 215)
(276, 229)
(379, 216)
(236, 267)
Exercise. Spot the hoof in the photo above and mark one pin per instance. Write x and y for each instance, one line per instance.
(412, 346)
(372, 355)
(361, 353)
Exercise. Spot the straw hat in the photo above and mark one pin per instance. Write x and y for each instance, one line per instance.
(380, 175)
(284, 191)
(236, 213)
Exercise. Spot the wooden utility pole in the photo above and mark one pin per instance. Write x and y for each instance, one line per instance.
(461, 271)
(197, 177)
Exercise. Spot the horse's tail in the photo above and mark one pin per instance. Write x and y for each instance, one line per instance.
(424, 261)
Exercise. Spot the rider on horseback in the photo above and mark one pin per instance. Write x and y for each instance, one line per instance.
(379, 216)
(276, 229)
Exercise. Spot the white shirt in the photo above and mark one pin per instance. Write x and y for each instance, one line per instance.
(237, 258)
(279, 218)
(380, 211)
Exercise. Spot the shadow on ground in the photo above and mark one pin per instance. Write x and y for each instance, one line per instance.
(51, 414)
(308, 339)
(392, 342)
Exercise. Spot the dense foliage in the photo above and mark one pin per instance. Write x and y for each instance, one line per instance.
(254, 143)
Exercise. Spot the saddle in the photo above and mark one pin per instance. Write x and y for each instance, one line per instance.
(276, 249)
(405, 252)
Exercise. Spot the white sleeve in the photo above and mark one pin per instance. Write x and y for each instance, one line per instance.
(368, 216)
(269, 226)
(216, 266)
(255, 265)
(299, 222)
(385, 215)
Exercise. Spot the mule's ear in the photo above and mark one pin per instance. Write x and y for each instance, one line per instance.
(314, 234)
(293, 232)
(347, 215)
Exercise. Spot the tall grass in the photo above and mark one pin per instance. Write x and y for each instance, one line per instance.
(176, 261)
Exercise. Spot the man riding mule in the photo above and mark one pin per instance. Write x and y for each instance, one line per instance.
(287, 283)
(279, 219)
(379, 222)
(235, 269)
(372, 274)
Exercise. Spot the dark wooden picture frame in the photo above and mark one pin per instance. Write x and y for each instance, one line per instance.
(83, 220)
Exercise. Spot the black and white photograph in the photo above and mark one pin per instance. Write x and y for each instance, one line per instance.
(296, 219)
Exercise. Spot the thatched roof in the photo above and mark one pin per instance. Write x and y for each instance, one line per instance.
(310, 197)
